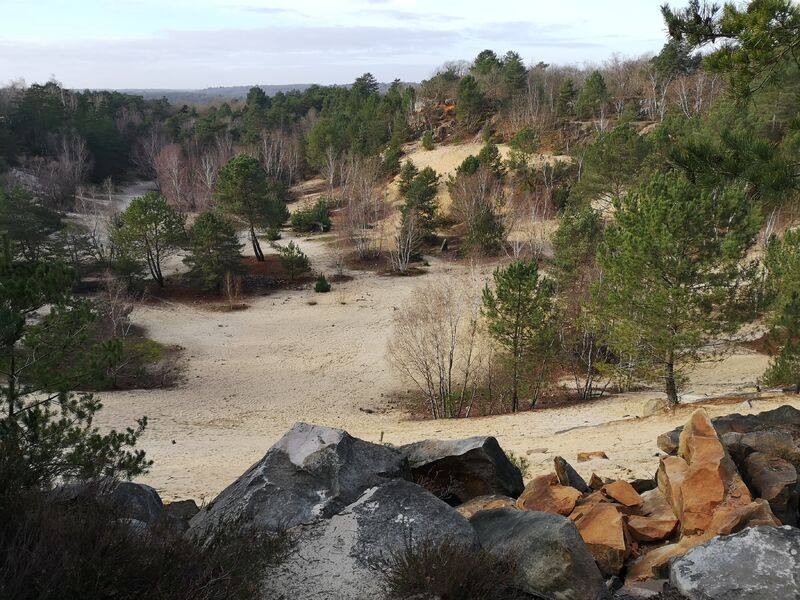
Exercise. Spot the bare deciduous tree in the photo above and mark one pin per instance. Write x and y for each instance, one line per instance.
(365, 207)
(173, 178)
(435, 344)
(145, 153)
(406, 243)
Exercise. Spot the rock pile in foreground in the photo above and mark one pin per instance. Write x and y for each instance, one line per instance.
(715, 522)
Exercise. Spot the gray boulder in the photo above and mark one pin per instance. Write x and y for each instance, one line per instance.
(312, 472)
(784, 418)
(342, 557)
(128, 500)
(568, 476)
(552, 560)
(757, 562)
(458, 470)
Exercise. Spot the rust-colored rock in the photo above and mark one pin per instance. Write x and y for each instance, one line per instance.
(595, 482)
(544, 494)
(651, 529)
(490, 502)
(655, 505)
(622, 492)
(602, 527)
(701, 478)
(587, 456)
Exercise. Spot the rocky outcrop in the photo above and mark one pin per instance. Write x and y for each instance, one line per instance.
(774, 480)
(702, 481)
(459, 470)
(343, 556)
(552, 560)
(491, 502)
(546, 494)
(312, 472)
(603, 529)
(706, 494)
(759, 562)
(568, 476)
(622, 492)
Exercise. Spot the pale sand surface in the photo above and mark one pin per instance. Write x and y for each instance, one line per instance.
(250, 374)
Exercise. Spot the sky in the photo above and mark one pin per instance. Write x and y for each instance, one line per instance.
(191, 44)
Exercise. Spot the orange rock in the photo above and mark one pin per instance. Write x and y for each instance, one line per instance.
(651, 529)
(622, 492)
(701, 478)
(655, 505)
(586, 456)
(546, 495)
(595, 482)
(603, 530)
(490, 502)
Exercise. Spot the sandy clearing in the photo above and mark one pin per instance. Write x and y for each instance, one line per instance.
(251, 374)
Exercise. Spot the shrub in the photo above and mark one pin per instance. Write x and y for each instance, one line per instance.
(316, 217)
(452, 571)
(519, 461)
(83, 549)
(293, 260)
(427, 140)
(322, 286)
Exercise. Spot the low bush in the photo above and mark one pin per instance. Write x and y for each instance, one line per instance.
(82, 549)
(312, 218)
(427, 140)
(449, 572)
(322, 286)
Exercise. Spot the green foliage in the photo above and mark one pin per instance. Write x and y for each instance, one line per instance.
(593, 97)
(427, 570)
(613, 161)
(427, 140)
(567, 93)
(521, 317)
(293, 260)
(244, 190)
(515, 75)
(420, 200)
(753, 42)
(575, 242)
(47, 433)
(471, 103)
(149, 231)
(782, 261)
(321, 286)
(407, 173)
(214, 250)
(27, 224)
(311, 218)
(521, 462)
(525, 141)
(672, 269)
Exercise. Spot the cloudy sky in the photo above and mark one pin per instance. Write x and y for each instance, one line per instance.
(205, 43)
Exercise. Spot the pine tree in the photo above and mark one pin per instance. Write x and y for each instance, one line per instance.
(593, 97)
(521, 318)
(420, 199)
(148, 232)
(566, 98)
(214, 250)
(671, 271)
(293, 260)
(243, 189)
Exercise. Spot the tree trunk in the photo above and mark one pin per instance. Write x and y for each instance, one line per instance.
(672, 390)
(256, 246)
